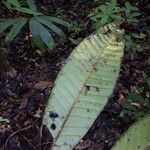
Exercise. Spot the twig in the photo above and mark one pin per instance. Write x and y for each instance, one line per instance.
(29, 40)
(5, 146)
(27, 140)
(53, 4)
(46, 143)
(41, 129)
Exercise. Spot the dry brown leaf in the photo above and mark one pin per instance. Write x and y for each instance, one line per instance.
(83, 145)
(24, 102)
(41, 85)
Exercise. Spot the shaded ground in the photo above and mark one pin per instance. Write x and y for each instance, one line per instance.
(27, 79)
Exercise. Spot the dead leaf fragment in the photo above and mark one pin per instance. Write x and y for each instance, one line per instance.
(41, 85)
(83, 145)
(24, 102)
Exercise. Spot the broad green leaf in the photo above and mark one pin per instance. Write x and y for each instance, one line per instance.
(51, 26)
(5, 23)
(136, 98)
(137, 137)
(31, 4)
(127, 105)
(39, 32)
(9, 3)
(15, 29)
(83, 86)
(27, 11)
(36, 36)
(57, 20)
(3, 19)
(15, 3)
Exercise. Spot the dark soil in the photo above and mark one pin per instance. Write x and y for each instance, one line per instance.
(27, 79)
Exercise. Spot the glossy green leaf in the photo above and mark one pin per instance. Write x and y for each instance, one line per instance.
(40, 34)
(15, 29)
(51, 26)
(127, 105)
(9, 3)
(57, 21)
(31, 4)
(136, 98)
(83, 86)
(5, 23)
(137, 137)
(27, 11)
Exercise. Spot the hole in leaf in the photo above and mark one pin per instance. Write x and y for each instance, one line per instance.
(53, 114)
(53, 126)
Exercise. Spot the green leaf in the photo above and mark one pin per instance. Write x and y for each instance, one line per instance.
(135, 14)
(136, 137)
(27, 11)
(31, 4)
(51, 26)
(127, 105)
(148, 81)
(116, 17)
(15, 29)
(9, 3)
(136, 98)
(36, 36)
(15, 3)
(83, 86)
(104, 19)
(39, 32)
(103, 8)
(5, 23)
(57, 21)
(3, 19)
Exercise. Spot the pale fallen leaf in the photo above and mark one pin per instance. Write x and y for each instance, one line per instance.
(3, 120)
(38, 113)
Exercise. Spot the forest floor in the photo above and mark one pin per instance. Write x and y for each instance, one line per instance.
(27, 79)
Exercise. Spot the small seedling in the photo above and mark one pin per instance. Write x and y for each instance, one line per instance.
(42, 27)
(131, 13)
(111, 11)
(106, 13)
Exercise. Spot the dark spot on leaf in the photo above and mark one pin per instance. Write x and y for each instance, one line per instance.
(118, 39)
(115, 70)
(53, 114)
(53, 126)
(138, 147)
(88, 110)
(104, 61)
(95, 69)
(87, 87)
(97, 89)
